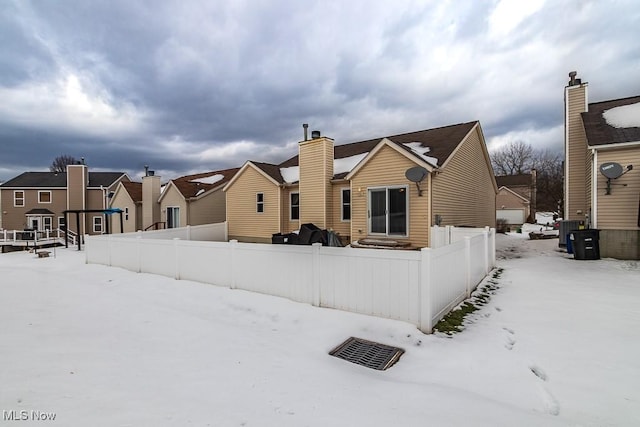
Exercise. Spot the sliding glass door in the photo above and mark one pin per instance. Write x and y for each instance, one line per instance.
(388, 211)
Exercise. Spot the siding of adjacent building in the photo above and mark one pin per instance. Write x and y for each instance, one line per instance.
(463, 192)
(209, 209)
(131, 222)
(245, 224)
(173, 198)
(343, 228)
(385, 169)
(507, 200)
(15, 217)
(576, 199)
(316, 171)
(288, 225)
(619, 210)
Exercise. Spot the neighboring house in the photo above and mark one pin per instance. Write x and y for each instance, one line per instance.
(603, 135)
(128, 197)
(515, 201)
(37, 200)
(195, 199)
(360, 190)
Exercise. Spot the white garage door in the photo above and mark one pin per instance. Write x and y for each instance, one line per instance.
(513, 216)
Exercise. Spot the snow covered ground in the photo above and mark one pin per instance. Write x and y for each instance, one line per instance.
(557, 345)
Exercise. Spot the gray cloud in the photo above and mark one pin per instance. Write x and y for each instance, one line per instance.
(200, 85)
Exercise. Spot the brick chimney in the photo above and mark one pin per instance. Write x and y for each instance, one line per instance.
(575, 150)
(315, 158)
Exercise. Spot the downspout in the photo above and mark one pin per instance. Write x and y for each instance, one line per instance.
(594, 188)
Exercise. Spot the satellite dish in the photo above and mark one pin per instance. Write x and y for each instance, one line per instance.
(611, 170)
(416, 174)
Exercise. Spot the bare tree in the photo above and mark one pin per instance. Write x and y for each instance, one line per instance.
(60, 163)
(514, 158)
(550, 173)
(519, 157)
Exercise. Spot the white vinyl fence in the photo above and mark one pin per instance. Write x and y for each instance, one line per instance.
(419, 287)
(207, 232)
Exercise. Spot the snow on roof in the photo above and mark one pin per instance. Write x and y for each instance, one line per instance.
(417, 149)
(200, 192)
(345, 164)
(625, 116)
(290, 174)
(209, 179)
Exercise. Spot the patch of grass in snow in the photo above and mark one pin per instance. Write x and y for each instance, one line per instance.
(454, 321)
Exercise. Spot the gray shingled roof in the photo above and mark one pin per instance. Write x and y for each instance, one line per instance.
(441, 142)
(514, 180)
(59, 179)
(599, 132)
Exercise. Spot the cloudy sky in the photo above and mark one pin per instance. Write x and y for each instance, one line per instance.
(188, 86)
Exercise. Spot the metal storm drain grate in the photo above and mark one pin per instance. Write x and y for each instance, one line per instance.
(367, 353)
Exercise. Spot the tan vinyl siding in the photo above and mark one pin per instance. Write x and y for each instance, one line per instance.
(316, 171)
(245, 224)
(173, 198)
(130, 222)
(619, 210)
(151, 210)
(15, 217)
(341, 227)
(576, 156)
(387, 168)
(209, 209)
(287, 224)
(507, 200)
(463, 192)
(76, 185)
(94, 200)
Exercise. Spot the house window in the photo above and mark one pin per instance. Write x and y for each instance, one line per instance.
(44, 196)
(18, 198)
(173, 217)
(61, 223)
(126, 214)
(97, 224)
(388, 211)
(259, 202)
(295, 206)
(346, 204)
(47, 222)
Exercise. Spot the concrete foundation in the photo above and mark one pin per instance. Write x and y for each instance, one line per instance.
(620, 244)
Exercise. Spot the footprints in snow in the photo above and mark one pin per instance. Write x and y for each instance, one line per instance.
(549, 402)
(511, 341)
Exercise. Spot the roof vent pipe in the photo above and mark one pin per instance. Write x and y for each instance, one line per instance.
(305, 128)
(315, 134)
(146, 170)
(572, 79)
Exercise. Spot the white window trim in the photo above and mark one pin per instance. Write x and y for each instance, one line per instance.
(100, 221)
(46, 226)
(342, 190)
(259, 203)
(291, 206)
(387, 188)
(24, 196)
(60, 221)
(50, 197)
